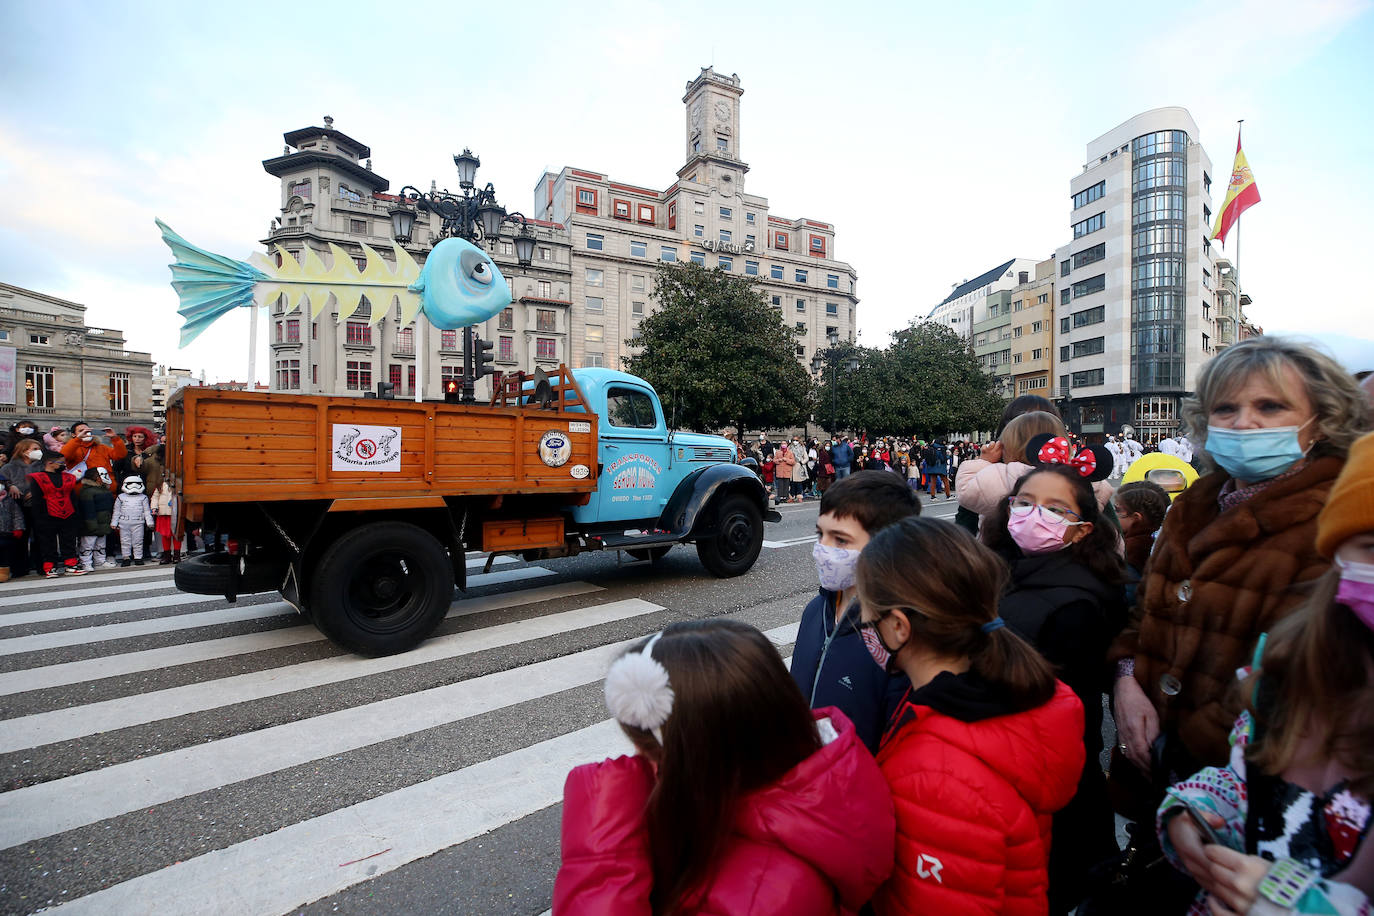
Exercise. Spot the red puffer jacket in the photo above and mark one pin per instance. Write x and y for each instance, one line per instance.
(818, 841)
(974, 801)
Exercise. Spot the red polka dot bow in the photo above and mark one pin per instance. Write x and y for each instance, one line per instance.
(1059, 451)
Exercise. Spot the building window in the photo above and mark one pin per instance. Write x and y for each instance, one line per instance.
(595, 277)
(801, 276)
(1064, 354)
(699, 231)
(405, 342)
(1037, 327)
(667, 254)
(1206, 344)
(726, 213)
(725, 236)
(593, 360)
(1038, 353)
(545, 254)
(1064, 268)
(777, 300)
(359, 333)
(637, 283)
(39, 339)
(748, 217)
(545, 348)
(780, 240)
(1086, 317)
(620, 209)
(697, 257)
(1087, 196)
(698, 207)
(293, 330)
(637, 308)
(119, 391)
(1042, 299)
(505, 348)
(545, 289)
(751, 268)
(726, 263)
(545, 320)
(832, 309)
(393, 375)
(722, 144)
(357, 227)
(506, 320)
(1089, 378)
(1090, 255)
(801, 327)
(1089, 286)
(818, 244)
(314, 374)
(288, 379)
(775, 271)
(586, 200)
(448, 340)
(801, 305)
(1090, 347)
(672, 215)
(1016, 358)
(1016, 332)
(646, 214)
(595, 241)
(506, 248)
(1064, 325)
(1089, 225)
(595, 304)
(832, 281)
(1018, 305)
(1064, 296)
(359, 375)
(595, 333)
(749, 243)
(638, 249)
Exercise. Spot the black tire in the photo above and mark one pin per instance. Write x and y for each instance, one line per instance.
(208, 574)
(382, 588)
(652, 554)
(736, 538)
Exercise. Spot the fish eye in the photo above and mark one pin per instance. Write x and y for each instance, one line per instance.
(475, 266)
(481, 273)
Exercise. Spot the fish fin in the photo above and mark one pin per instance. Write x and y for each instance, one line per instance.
(289, 268)
(410, 307)
(318, 299)
(377, 271)
(349, 297)
(208, 285)
(312, 268)
(407, 271)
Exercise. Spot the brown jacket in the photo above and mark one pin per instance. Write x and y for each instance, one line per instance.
(1214, 583)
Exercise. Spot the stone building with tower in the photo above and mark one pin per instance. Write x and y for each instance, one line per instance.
(589, 285)
(619, 232)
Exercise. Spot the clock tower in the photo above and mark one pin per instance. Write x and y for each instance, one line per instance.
(712, 103)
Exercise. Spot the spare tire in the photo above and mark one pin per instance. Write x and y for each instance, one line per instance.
(209, 573)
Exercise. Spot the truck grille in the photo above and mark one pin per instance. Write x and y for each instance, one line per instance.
(712, 454)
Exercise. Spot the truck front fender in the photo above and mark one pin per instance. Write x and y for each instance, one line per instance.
(701, 488)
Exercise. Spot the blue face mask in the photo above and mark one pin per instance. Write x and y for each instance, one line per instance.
(1255, 454)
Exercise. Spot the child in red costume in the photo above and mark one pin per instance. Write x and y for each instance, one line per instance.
(55, 522)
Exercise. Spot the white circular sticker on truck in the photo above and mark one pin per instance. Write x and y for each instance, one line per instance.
(555, 448)
(580, 471)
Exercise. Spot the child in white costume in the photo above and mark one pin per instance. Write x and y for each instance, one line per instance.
(132, 514)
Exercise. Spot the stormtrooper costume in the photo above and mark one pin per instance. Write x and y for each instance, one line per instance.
(132, 513)
(1132, 450)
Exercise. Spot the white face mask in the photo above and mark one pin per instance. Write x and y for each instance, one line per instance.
(35, 454)
(26, 430)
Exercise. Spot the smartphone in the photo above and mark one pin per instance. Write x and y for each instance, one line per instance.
(1209, 833)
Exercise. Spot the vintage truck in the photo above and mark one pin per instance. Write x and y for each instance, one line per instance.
(360, 511)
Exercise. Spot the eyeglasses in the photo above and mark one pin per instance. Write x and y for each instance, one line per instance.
(1022, 505)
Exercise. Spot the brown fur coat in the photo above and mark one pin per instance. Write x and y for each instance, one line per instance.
(1240, 568)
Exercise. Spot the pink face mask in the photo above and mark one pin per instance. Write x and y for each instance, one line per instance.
(1356, 590)
(1037, 530)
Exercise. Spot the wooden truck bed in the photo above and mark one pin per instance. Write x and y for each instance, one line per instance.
(239, 446)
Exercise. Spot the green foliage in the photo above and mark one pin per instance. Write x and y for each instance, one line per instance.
(718, 354)
(926, 383)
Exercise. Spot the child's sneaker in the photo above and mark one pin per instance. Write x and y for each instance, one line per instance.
(111, 564)
(77, 570)
(51, 574)
(126, 562)
(138, 562)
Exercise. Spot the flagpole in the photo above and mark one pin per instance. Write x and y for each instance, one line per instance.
(253, 347)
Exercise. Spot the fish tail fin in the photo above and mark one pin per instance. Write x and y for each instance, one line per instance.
(209, 285)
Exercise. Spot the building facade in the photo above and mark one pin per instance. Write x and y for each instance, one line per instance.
(965, 304)
(591, 281)
(166, 382)
(1032, 338)
(619, 232)
(1136, 284)
(331, 195)
(66, 370)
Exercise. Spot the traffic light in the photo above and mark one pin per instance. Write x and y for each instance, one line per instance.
(453, 392)
(484, 358)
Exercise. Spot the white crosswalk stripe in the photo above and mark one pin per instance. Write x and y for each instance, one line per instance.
(60, 702)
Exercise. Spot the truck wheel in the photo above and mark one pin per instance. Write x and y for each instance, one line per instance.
(652, 554)
(382, 588)
(738, 537)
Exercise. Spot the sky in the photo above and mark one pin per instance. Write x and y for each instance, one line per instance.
(939, 139)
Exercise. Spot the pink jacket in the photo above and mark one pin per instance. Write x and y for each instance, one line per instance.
(818, 842)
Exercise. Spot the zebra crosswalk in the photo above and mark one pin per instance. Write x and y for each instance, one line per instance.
(159, 752)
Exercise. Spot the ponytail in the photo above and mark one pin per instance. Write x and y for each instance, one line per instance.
(954, 604)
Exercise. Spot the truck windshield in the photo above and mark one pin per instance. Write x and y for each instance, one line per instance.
(630, 409)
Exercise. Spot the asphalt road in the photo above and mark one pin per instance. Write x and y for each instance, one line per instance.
(171, 752)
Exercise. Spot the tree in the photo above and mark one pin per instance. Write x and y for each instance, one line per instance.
(718, 354)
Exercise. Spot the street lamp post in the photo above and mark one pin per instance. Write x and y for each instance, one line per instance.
(472, 215)
(818, 361)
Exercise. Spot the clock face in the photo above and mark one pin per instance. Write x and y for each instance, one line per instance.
(696, 114)
(723, 111)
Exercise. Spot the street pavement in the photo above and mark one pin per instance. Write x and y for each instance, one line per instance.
(178, 753)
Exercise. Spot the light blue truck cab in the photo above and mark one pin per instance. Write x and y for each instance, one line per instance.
(657, 487)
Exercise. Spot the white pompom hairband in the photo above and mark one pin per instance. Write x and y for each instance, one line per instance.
(637, 690)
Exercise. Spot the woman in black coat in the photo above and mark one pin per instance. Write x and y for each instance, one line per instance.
(1067, 598)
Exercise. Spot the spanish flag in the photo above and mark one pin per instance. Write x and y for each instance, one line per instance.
(1241, 195)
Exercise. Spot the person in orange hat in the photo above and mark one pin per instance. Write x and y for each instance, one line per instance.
(1300, 781)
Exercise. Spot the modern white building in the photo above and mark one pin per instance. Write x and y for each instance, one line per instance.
(966, 302)
(1135, 286)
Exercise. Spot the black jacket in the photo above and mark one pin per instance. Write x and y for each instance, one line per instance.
(833, 668)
